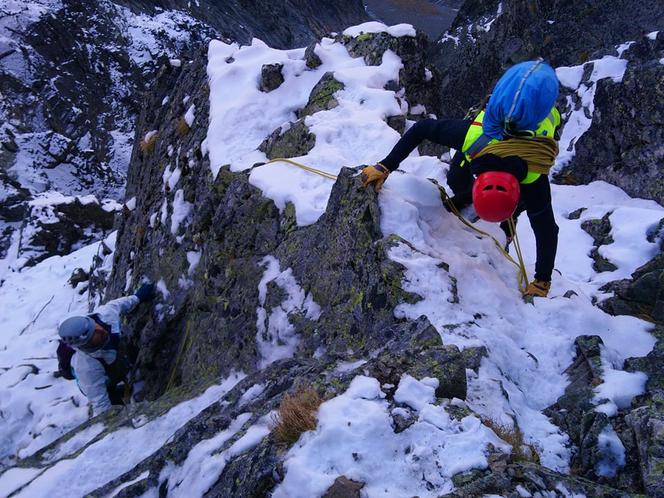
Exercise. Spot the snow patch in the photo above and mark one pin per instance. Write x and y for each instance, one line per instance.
(372, 27)
(355, 438)
(276, 337)
(181, 211)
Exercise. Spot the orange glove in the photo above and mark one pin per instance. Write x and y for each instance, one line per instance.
(376, 175)
(538, 288)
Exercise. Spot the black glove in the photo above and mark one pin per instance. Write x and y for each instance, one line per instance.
(145, 293)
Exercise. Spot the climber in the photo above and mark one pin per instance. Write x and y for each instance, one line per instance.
(510, 147)
(89, 350)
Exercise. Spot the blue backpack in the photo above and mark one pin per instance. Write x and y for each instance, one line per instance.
(521, 99)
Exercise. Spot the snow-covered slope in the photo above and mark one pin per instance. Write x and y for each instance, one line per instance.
(468, 292)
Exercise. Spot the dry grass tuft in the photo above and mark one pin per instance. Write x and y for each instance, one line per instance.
(296, 414)
(521, 451)
(148, 143)
(182, 128)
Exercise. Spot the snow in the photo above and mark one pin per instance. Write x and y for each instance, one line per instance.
(371, 27)
(120, 450)
(181, 211)
(190, 115)
(612, 453)
(355, 438)
(250, 394)
(75, 443)
(580, 119)
(124, 485)
(131, 204)
(652, 35)
(193, 258)
(276, 338)
(205, 463)
(161, 287)
(416, 393)
(171, 177)
(149, 135)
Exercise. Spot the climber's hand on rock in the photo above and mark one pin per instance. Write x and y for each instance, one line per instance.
(376, 175)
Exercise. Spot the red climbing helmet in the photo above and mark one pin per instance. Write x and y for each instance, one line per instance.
(495, 195)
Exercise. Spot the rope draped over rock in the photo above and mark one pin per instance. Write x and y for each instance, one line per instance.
(539, 152)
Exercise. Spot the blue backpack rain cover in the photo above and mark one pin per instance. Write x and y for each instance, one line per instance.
(522, 98)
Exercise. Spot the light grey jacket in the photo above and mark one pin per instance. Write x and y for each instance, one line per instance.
(89, 372)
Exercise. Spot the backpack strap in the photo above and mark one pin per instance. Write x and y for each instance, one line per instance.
(482, 141)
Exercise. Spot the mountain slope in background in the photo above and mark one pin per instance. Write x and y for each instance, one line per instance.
(72, 77)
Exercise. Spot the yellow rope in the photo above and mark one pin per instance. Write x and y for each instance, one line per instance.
(539, 152)
(320, 172)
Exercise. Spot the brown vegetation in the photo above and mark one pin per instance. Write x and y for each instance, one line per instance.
(296, 414)
(147, 146)
(521, 451)
(182, 128)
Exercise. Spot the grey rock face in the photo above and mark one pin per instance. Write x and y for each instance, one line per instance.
(297, 140)
(419, 78)
(600, 231)
(322, 96)
(271, 77)
(642, 295)
(625, 144)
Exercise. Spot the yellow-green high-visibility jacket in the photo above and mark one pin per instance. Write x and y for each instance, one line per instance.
(475, 140)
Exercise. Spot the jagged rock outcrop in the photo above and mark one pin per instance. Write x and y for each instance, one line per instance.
(600, 231)
(209, 312)
(625, 144)
(642, 295)
(417, 76)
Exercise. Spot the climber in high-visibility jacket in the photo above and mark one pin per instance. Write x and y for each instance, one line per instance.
(509, 147)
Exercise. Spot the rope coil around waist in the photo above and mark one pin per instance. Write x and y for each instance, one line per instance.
(539, 152)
